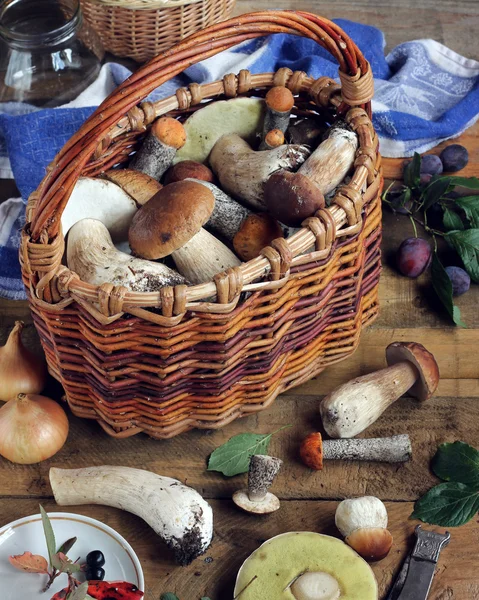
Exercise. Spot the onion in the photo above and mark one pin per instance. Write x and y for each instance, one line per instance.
(21, 372)
(32, 428)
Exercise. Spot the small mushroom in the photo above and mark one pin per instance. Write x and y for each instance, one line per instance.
(363, 523)
(352, 407)
(314, 450)
(256, 499)
(138, 185)
(92, 255)
(279, 102)
(293, 197)
(249, 232)
(243, 171)
(159, 148)
(188, 169)
(273, 139)
(171, 223)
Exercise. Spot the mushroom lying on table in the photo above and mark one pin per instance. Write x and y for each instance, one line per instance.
(256, 499)
(172, 223)
(158, 150)
(293, 197)
(243, 171)
(92, 255)
(352, 407)
(249, 232)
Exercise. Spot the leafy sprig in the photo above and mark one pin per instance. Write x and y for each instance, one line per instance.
(458, 226)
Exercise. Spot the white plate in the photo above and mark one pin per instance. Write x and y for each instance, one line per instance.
(26, 534)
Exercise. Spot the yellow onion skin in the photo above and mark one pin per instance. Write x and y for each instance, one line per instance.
(21, 371)
(32, 428)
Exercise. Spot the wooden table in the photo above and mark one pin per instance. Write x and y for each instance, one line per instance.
(408, 312)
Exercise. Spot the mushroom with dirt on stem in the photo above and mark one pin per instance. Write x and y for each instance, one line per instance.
(256, 499)
(165, 138)
(293, 197)
(249, 232)
(242, 171)
(352, 407)
(93, 257)
(172, 223)
(314, 450)
(279, 102)
(363, 523)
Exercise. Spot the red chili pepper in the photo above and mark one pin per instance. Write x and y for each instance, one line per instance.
(108, 590)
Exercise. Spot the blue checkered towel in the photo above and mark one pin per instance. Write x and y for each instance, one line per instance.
(425, 93)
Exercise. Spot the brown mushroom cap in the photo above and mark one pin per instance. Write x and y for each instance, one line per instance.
(171, 218)
(274, 138)
(280, 99)
(292, 197)
(140, 186)
(423, 360)
(169, 131)
(189, 169)
(257, 231)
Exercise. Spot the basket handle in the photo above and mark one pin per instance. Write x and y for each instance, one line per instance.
(62, 174)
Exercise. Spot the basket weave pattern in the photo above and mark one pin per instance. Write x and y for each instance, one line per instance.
(141, 30)
(165, 362)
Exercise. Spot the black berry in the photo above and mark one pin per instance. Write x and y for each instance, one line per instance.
(95, 574)
(95, 559)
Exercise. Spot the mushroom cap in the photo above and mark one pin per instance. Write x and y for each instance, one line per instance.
(257, 231)
(371, 543)
(269, 504)
(189, 169)
(169, 131)
(311, 451)
(274, 138)
(280, 99)
(140, 186)
(171, 218)
(423, 360)
(360, 513)
(292, 197)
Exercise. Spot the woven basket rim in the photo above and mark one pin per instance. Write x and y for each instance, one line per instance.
(144, 4)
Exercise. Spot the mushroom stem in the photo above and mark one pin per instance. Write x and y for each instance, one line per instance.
(202, 257)
(166, 137)
(261, 474)
(394, 449)
(279, 102)
(352, 407)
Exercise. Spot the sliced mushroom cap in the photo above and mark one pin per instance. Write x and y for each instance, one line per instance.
(423, 360)
(140, 186)
(170, 219)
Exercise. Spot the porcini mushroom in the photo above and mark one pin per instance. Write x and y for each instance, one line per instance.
(171, 223)
(393, 449)
(256, 499)
(188, 169)
(159, 148)
(103, 200)
(138, 185)
(352, 407)
(249, 232)
(292, 198)
(92, 255)
(243, 171)
(363, 523)
(279, 102)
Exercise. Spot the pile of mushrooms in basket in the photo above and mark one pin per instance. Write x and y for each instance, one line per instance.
(202, 196)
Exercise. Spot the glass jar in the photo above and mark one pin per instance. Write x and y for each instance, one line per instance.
(48, 53)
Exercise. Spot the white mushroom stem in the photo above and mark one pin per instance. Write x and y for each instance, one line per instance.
(202, 257)
(243, 171)
(352, 407)
(394, 449)
(261, 474)
(315, 586)
(103, 200)
(92, 255)
(360, 513)
(329, 164)
(177, 513)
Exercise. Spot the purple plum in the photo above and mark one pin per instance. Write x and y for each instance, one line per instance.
(413, 257)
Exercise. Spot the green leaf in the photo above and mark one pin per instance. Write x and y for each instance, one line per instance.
(67, 546)
(470, 205)
(457, 462)
(49, 535)
(435, 191)
(65, 565)
(168, 596)
(443, 287)
(471, 183)
(79, 593)
(233, 457)
(412, 171)
(451, 220)
(466, 244)
(448, 505)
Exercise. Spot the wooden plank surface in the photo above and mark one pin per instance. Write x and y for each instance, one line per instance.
(409, 311)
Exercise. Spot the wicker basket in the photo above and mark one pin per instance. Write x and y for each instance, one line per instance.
(174, 360)
(141, 29)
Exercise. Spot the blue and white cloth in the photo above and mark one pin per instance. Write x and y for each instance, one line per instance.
(425, 94)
